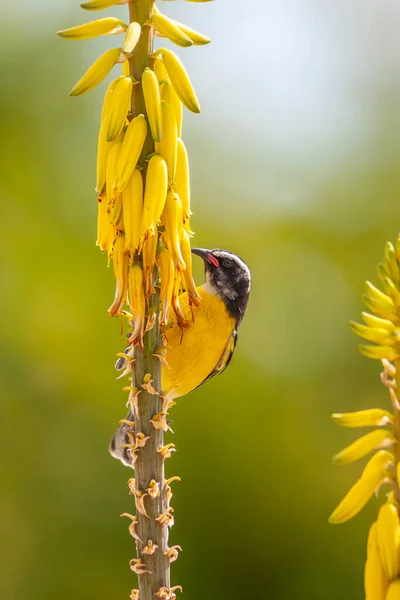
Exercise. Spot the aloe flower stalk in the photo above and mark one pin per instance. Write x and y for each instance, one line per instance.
(382, 328)
(143, 224)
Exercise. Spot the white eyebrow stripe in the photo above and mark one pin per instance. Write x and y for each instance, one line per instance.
(240, 261)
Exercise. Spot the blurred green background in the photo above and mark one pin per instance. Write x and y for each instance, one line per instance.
(295, 166)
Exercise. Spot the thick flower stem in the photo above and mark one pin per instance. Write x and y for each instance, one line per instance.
(149, 465)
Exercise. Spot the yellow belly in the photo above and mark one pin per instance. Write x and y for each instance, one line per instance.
(191, 357)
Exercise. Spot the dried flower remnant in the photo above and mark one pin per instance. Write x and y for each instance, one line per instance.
(382, 328)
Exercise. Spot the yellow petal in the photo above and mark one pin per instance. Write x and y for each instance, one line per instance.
(375, 580)
(373, 476)
(106, 26)
(120, 105)
(190, 286)
(132, 37)
(103, 150)
(373, 417)
(393, 592)
(97, 72)
(380, 438)
(390, 261)
(105, 231)
(151, 93)
(182, 182)
(380, 309)
(132, 200)
(169, 96)
(389, 539)
(379, 296)
(179, 79)
(377, 322)
(378, 352)
(120, 261)
(373, 334)
(149, 249)
(111, 170)
(131, 149)
(155, 194)
(197, 38)
(172, 220)
(168, 29)
(108, 98)
(168, 145)
(100, 4)
(167, 278)
(160, 70)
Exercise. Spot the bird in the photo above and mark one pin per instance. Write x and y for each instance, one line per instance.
(207, 345)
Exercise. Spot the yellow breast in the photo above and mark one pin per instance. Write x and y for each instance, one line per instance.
(194, 354)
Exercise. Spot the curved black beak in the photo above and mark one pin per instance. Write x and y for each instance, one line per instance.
(202, 252)
(207, 256)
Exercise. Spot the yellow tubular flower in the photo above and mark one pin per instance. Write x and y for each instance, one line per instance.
(100, 4)
(131, 149)
(179, 79)
(393, 592)
(155, 195)
(187, 275)
(374, 440)
(379, 352)
(388, 532)
(105, 231)
(107, 26)
(374, 474)
(137, 304)
(372, 334)
(182, 183)
(132, 37)
(176, 306)
(119, 106)
(103, 149)
(172, 220)
(132, 201)
(168, 145)
(169, 96)
(167, 280)
(160, 70)
(105, 111)
(121, 262)
(197, 38)
(151, 93)
(149, 250)
(97, 72)
(364, 418)
(375, 580)
(377, 322)
(167, 28)
(111, 170)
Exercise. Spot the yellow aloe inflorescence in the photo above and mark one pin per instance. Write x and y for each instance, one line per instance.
(143, 188)
(382, 328)
(143, 224)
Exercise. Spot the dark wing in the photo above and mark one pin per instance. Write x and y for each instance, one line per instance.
(225, 358)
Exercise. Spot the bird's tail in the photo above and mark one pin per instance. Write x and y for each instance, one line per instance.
(121, 437)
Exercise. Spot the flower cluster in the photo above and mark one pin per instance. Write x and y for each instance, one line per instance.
(143, 182)
(382, 328)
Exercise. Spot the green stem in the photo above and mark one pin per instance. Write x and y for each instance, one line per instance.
(150, 464)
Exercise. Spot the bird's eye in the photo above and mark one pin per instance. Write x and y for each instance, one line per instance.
(227, 262)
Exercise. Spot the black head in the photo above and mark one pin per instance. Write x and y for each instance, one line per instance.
(228, 276)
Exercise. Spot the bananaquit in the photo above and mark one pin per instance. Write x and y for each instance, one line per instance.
(208, 343)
